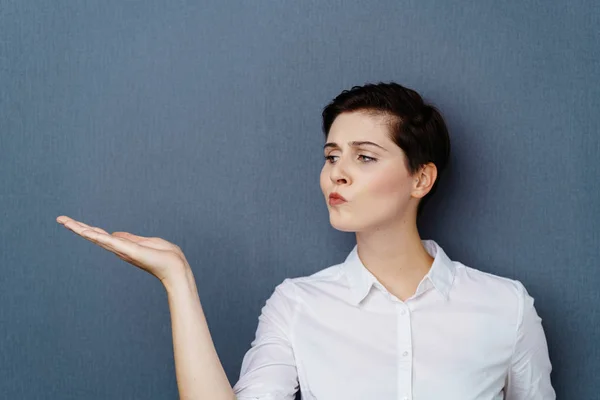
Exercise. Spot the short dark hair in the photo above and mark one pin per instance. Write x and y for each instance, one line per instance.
(416, 127)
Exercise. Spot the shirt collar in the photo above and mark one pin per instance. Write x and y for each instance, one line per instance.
(441, 273)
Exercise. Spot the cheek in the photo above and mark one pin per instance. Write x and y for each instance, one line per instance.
(323, 180)
(389, 186)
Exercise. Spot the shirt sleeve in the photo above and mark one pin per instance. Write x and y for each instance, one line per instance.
(529, 371)
(268, 369)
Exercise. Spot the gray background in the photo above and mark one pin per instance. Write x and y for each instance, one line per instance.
(200, 123)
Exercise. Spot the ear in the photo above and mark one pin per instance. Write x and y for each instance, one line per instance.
(423, 180)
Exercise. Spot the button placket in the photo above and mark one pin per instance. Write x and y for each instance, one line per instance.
(404, 347)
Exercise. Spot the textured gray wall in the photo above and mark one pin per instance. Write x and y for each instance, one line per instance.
(200, 123)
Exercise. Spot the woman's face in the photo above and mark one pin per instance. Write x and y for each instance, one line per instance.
(373, 178)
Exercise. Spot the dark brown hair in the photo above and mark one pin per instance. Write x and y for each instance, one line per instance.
(416, 127)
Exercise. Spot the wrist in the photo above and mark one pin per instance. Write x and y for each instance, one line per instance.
(179, 278)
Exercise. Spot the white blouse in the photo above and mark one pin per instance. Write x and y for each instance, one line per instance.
(340, 335)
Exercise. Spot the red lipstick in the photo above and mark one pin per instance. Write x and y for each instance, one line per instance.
(336, 198)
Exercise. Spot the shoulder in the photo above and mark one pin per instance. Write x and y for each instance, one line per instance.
(477, 279)
(488, 289)
(327, 280)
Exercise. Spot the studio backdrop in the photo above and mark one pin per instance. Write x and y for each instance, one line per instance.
(200, 122)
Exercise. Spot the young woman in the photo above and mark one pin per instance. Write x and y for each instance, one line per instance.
(398, 319)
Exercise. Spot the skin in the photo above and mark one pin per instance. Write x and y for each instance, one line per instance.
(381, 209)
(382, 198)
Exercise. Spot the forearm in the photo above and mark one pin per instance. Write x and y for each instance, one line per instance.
(200, 375)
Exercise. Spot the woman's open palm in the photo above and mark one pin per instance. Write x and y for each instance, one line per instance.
(152, 254)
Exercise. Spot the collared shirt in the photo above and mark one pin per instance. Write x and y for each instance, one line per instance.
(340, 335)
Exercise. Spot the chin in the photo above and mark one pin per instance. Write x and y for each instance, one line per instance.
(343, 226)
(368, 223)
(343, 229)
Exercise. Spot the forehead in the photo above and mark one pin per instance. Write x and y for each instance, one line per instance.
(360, 125)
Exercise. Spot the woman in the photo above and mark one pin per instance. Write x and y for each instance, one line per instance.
(397, 319)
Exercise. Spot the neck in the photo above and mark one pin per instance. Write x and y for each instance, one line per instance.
(395, 256)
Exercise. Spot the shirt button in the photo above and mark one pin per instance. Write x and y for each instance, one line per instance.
(405, 353)
(402, 312)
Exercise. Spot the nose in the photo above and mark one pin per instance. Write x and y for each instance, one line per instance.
(338, 173)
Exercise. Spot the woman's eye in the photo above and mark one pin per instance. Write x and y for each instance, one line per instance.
(367, 159)
(363, 158)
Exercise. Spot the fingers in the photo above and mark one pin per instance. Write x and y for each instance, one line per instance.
(70, 221)
(93, 234)
(129, 236)
(126, 250)
(151, 254)
(121, 247)
(135, 238)
(79, 227)
(122, 244)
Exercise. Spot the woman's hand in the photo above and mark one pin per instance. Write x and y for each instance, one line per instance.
(152, 254)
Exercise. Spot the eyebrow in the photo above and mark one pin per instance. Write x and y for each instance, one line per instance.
(353, 144)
